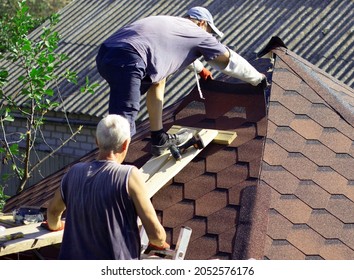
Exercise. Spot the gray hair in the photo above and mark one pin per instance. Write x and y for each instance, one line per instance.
(111, 133)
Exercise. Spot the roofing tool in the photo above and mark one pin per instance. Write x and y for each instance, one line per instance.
(196, 141)
(175, 152)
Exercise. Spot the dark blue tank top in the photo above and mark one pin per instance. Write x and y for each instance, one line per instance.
(101, 221)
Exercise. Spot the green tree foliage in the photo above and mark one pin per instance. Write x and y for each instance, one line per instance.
(39, 61)
(39, 8)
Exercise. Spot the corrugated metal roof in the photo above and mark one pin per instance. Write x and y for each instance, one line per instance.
(320, 31)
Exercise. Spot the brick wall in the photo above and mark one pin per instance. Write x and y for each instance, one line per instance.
(55, 131)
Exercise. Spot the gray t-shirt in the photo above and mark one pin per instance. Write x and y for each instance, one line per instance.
(167, 44)
(101, 221)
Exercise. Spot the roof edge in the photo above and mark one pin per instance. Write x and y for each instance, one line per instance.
(290, 58)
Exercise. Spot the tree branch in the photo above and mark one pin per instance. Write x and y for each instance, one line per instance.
(56, 150)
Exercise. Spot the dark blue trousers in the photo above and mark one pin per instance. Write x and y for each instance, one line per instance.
(125, 72)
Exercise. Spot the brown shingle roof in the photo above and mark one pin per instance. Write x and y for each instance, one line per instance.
(205, 195)
(283, 189)
(308, 163)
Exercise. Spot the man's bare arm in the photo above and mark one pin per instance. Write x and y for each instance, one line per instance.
(145, 210)
(55, 210)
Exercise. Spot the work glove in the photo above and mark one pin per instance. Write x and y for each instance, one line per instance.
(45, 225)
(264, 83)
(152, 247)
(205, 74)
(240, 68)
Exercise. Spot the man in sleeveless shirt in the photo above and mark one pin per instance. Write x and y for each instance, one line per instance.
(138, 58)
(103, 199)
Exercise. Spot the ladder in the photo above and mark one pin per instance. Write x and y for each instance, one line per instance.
(177, 254)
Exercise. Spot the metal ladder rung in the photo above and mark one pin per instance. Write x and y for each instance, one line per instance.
(178, 253)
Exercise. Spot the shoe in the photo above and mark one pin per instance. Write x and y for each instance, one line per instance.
(177, 139)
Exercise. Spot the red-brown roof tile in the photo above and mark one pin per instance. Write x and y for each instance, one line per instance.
(325, 224)
(203, 246)
(312, 194)
(177, 214)
(300, 166)
(250, 150)
(283, 250)
(195, 168)
(281, 115)
(288, 139)
(336, 250)
(320, 154)
(245, 133)
(306, 239)
(341, 207)
(235, 193)
(221, 159)
(222, 220)
(274, 154)
(281, 180)
(335, 140)
(279, 227)
(170, 195)
(226, 246)
(198, 226)
(347, 235)
(291, 207)
(306, 127)
(232, 175)
(323, 115)
(210, 203)
(199, 186)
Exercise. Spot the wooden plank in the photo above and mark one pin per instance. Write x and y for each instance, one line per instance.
(7, 220)
(34, 237)
(156, 162)
(224, 137)
(171, 167)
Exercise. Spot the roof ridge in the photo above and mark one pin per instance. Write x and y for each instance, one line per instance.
(297, 64)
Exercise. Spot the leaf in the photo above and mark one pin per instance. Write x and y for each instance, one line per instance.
(14, 149)
(71, 76)
(9, 118)
(49, 92)
(55, 104)
(3, 75)
(5, 176)
(21, 78)
(33, 73)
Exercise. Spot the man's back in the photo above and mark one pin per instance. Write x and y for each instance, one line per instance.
(167, 44)
(100, 215)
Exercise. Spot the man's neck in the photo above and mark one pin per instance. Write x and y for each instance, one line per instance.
(117, 157)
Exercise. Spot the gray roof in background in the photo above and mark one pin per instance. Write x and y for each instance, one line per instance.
(320, 31)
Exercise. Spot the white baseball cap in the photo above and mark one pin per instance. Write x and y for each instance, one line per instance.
(201, 13)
